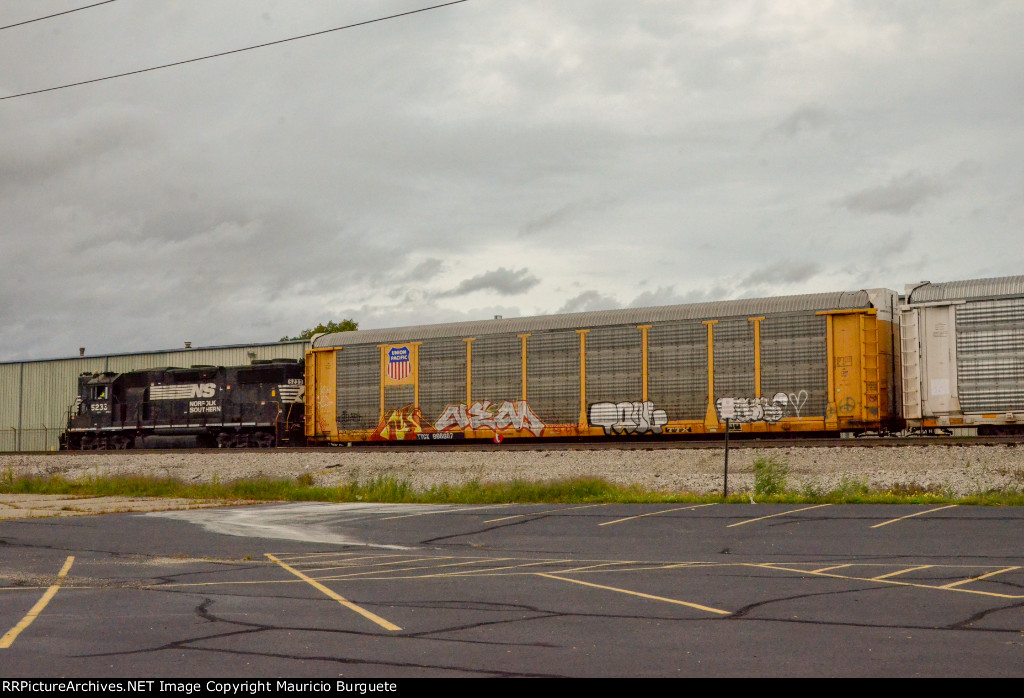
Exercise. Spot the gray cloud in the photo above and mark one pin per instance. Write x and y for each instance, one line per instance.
(588, 301)
(659, 152)
(806, 118)
(425, 270)
(900, 196)
(564, 214)
(781, 273)
(506, 282)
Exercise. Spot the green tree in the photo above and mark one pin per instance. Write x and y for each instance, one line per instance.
(345, 325)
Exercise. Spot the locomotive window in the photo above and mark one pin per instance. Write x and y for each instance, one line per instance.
(99, 392)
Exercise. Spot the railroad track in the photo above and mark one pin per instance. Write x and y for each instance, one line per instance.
(610, 444)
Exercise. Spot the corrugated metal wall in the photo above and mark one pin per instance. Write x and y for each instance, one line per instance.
(10, 402)
(990, 355)
(35, 395)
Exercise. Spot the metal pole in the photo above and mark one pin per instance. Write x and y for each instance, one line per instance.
(725, 487)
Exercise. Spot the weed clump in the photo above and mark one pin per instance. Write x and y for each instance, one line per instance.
(770, 476)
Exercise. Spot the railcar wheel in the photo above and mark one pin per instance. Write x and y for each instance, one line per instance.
(263, 440)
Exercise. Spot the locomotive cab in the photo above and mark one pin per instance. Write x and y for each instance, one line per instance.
(98, 413)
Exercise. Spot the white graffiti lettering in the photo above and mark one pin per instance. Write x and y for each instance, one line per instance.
(627, 417)
(797, 401)
(509, 416)
(753, 409)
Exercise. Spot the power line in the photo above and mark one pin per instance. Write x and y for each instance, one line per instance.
(237, 50)
(57, 14)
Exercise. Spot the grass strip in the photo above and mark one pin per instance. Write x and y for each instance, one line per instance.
(392, 490)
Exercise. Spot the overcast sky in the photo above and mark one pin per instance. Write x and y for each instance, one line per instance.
(512, 157)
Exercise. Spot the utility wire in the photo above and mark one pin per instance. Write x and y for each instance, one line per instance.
(237, 50)
(57, 14)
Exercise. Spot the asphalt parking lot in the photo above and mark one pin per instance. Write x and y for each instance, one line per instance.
(516, 590)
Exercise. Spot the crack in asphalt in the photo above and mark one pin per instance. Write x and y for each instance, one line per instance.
(428, 541)
(202, 610)
(980, 615)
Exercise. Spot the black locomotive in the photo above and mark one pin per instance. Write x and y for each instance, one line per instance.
(260, 405)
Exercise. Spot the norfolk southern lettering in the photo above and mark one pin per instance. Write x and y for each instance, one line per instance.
(259, 405)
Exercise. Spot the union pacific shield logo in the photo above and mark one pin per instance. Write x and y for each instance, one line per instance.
(399, 364)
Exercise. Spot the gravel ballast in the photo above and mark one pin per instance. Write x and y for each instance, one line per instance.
(954, 469)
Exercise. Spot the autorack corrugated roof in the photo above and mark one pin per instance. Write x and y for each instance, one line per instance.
(970, 289)
(746, 307)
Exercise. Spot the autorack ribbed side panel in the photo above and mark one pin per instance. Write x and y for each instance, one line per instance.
(614, 364)
(553, 376)
(678, 369)
(398, 396)
(794, 361)
(358, 375)
(497, 369)
(734, 358)
(442, 376)
(990, 355)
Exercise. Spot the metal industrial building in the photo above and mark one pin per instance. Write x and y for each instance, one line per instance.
(35, 395)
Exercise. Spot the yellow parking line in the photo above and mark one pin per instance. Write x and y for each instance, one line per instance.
(637, 593)
(305, 564)
(826, 569)
(340, 599)
(899, 572)
(375, 564)
(591, 567)
(485, 572)
(886, 581)
(479, 561)
(11, 635)
(549, 511)
(974, 579)
(289, 556)
(443, 511)
(655, 513)
(910, 516)
(781, 513)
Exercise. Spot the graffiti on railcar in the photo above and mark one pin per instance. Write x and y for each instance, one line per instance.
(509, 416)
(754, 409)
(400, 425)
(797, 401)
(627, 417)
